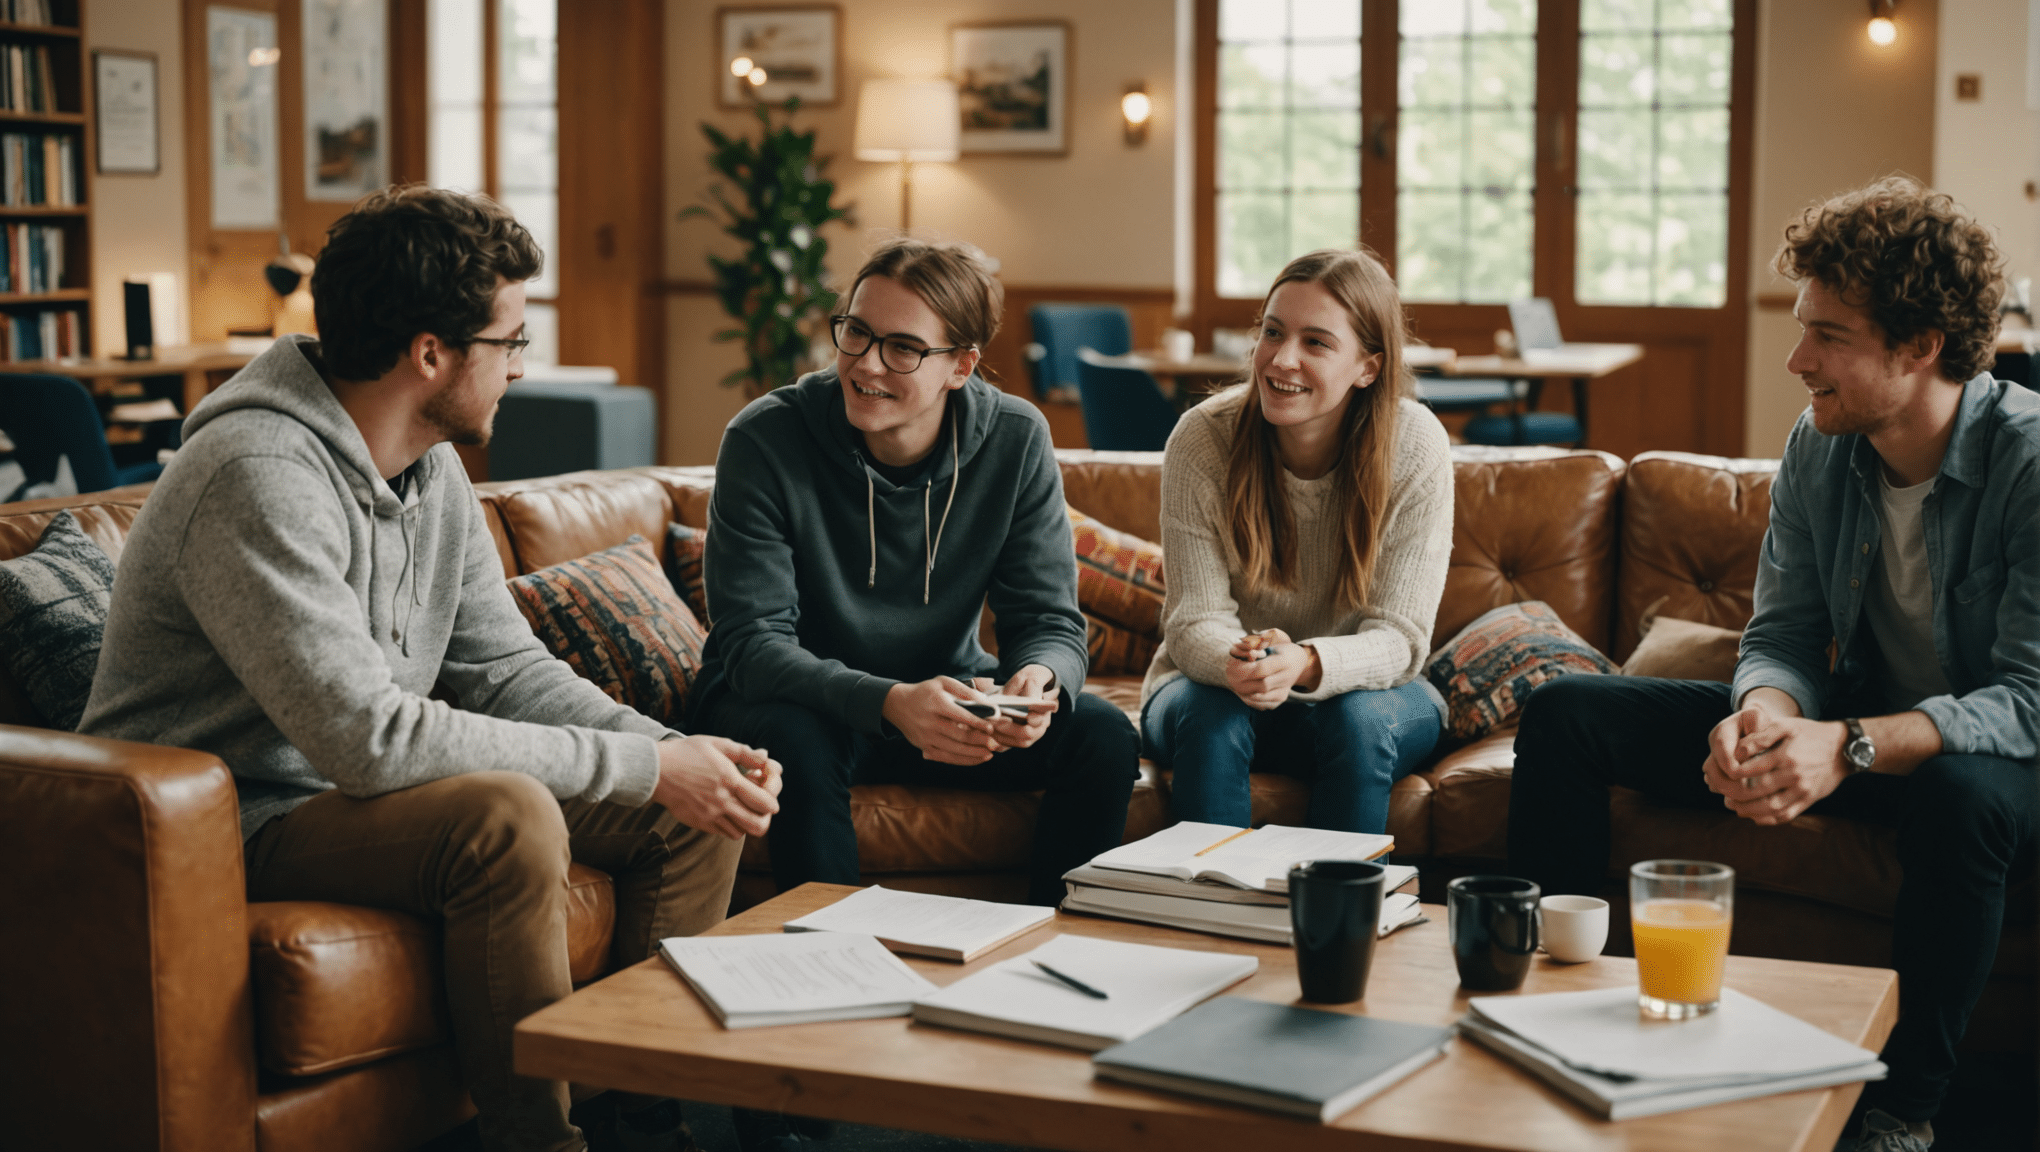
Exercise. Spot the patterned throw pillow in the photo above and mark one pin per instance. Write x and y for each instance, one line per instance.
(613, 616)
(1488, 670)
(1119, 576)
(53, 603)
(684, 549)
(1116, 651)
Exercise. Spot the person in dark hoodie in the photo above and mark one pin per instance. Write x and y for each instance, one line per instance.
(861, 520)
(314, 560)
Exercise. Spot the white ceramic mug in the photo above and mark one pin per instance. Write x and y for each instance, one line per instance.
(1178, 344)
(1575, 927)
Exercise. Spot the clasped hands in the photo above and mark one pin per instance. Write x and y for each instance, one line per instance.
(1264, 666)
(929, 715)
(718, 785)
(1768, 763)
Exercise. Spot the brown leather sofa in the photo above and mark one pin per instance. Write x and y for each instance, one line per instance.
(147, 1004)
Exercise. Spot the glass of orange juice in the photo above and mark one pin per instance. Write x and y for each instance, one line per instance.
(1680, 912)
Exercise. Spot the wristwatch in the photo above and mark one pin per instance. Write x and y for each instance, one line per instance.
(1860, 752)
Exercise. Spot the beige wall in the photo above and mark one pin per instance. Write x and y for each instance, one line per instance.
(1101, 216)
(138, 221)
(1987, 152)
(1833, 111)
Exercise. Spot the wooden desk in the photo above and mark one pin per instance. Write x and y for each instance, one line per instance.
(642, 1030)
(203, 367)
(1579, 370)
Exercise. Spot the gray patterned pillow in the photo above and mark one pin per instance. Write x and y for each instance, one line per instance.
(53, 604)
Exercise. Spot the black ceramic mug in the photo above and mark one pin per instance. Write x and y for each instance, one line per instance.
(1493, 925)
(1334, 913)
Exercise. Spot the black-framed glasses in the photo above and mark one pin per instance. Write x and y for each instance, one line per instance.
(512, 347)
(897, 353)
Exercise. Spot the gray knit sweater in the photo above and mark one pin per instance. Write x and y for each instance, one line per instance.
(1206, 609)
(279, 605)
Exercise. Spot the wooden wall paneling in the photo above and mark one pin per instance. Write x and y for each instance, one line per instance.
(410, 99)
(611, 233)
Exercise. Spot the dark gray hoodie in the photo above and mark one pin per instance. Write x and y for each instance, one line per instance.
(278, 605)
(817, 567)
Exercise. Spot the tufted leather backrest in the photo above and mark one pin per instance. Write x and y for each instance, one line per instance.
(1121, 489)
(1532, 524)
(1691, 530)
(554, 519)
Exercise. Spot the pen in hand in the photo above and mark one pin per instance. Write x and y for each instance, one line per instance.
(1072, 981)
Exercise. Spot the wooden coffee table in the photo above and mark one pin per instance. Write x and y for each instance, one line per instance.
(643, 1030)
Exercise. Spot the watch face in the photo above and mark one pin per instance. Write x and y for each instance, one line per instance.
(1860, 752)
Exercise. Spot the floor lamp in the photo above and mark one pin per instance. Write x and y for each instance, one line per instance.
(905, 121)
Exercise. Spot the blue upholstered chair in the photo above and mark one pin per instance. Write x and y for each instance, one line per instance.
(51, 416)
(1061, 329)
(1515, 427)
(1124, 409)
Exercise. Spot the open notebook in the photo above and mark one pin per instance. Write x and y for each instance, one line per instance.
(919, 924)
(754, 981)
(1258, 858)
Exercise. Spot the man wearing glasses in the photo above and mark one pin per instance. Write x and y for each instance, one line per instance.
(313, 562)
(863, 517)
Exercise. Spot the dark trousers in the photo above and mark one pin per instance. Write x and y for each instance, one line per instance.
(1965, 824)
(1085, 765)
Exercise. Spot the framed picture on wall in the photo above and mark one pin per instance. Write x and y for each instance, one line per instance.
(346, 128)
(768, 53)
(124, 99)
(1013, 85)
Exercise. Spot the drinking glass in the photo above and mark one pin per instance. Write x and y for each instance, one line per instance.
(1680, 912)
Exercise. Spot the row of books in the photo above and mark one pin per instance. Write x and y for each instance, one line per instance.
(38, 169)
(25, 11)
(26, 84)
(31, 258)
(41, 335)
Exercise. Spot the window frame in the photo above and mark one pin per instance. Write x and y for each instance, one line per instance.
(1554, 198)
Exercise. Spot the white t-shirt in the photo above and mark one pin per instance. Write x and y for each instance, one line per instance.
(1900, 606)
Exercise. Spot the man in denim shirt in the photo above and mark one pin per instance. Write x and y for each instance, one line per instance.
(1905, 532)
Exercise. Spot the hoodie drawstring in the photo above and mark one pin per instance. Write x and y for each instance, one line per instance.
(933, 540)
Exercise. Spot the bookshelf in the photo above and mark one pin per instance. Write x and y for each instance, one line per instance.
(45, 151)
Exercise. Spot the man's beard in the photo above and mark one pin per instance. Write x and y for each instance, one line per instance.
(443, 411)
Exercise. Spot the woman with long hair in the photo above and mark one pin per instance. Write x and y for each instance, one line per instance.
(1307, 521)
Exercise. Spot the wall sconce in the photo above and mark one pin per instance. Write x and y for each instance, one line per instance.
(1882, 30)
(746, 68)
(1136, 109)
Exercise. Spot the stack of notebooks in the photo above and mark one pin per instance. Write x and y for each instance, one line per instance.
(1594, 1047)
(1225, 880)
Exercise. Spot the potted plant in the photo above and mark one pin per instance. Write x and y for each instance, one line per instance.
(774, 289)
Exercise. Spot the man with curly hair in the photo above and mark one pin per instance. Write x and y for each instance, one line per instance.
(1905, 540)
(314, 562)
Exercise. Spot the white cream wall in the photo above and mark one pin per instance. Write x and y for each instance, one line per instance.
(1834, 111)
(138, 221)
(1987, 152)
(1101, 216)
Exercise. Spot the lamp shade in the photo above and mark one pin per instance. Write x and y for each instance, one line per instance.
(907, 120)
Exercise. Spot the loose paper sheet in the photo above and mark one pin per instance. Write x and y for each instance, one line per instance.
(800, 973)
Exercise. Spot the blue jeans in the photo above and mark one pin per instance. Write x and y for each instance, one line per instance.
(1353, 748)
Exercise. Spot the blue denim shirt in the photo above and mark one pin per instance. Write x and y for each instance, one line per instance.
(1982, 525)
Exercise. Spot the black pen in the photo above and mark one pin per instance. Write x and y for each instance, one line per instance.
(1072, 981)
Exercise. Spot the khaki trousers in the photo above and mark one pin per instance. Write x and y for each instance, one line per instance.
(487, 854)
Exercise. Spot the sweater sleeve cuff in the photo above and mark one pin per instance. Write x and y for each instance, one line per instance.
(637, 771)
(866, 705)
(1769, 674)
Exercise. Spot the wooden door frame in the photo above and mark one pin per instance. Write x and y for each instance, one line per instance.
(1722, 332)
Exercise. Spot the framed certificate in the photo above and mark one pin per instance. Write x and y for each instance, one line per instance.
(124, 98)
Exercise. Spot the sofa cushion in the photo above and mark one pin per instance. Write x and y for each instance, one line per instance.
(554, 519)
(338, 985)
(1532, 524)
(685, 546)
(1119, 575)
(1488, 670)
(53, 604)
(1691, 530)
(1123, 489)
(688, 487)
(1683, 650)
(1469, 810)
(616, 620)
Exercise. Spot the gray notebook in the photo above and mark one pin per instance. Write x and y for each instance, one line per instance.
(1295, 1060)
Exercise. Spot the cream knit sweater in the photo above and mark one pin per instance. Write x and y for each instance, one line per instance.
(1380, 646)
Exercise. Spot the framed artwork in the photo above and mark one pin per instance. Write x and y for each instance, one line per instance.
(345, 81)
(1013, 85)
(791, 51)
(241, 58)
(124, 101)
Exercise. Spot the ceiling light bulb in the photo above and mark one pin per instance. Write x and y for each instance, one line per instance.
(1136, 107)
(741, 66)
(756, 76)
(1882, 30)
